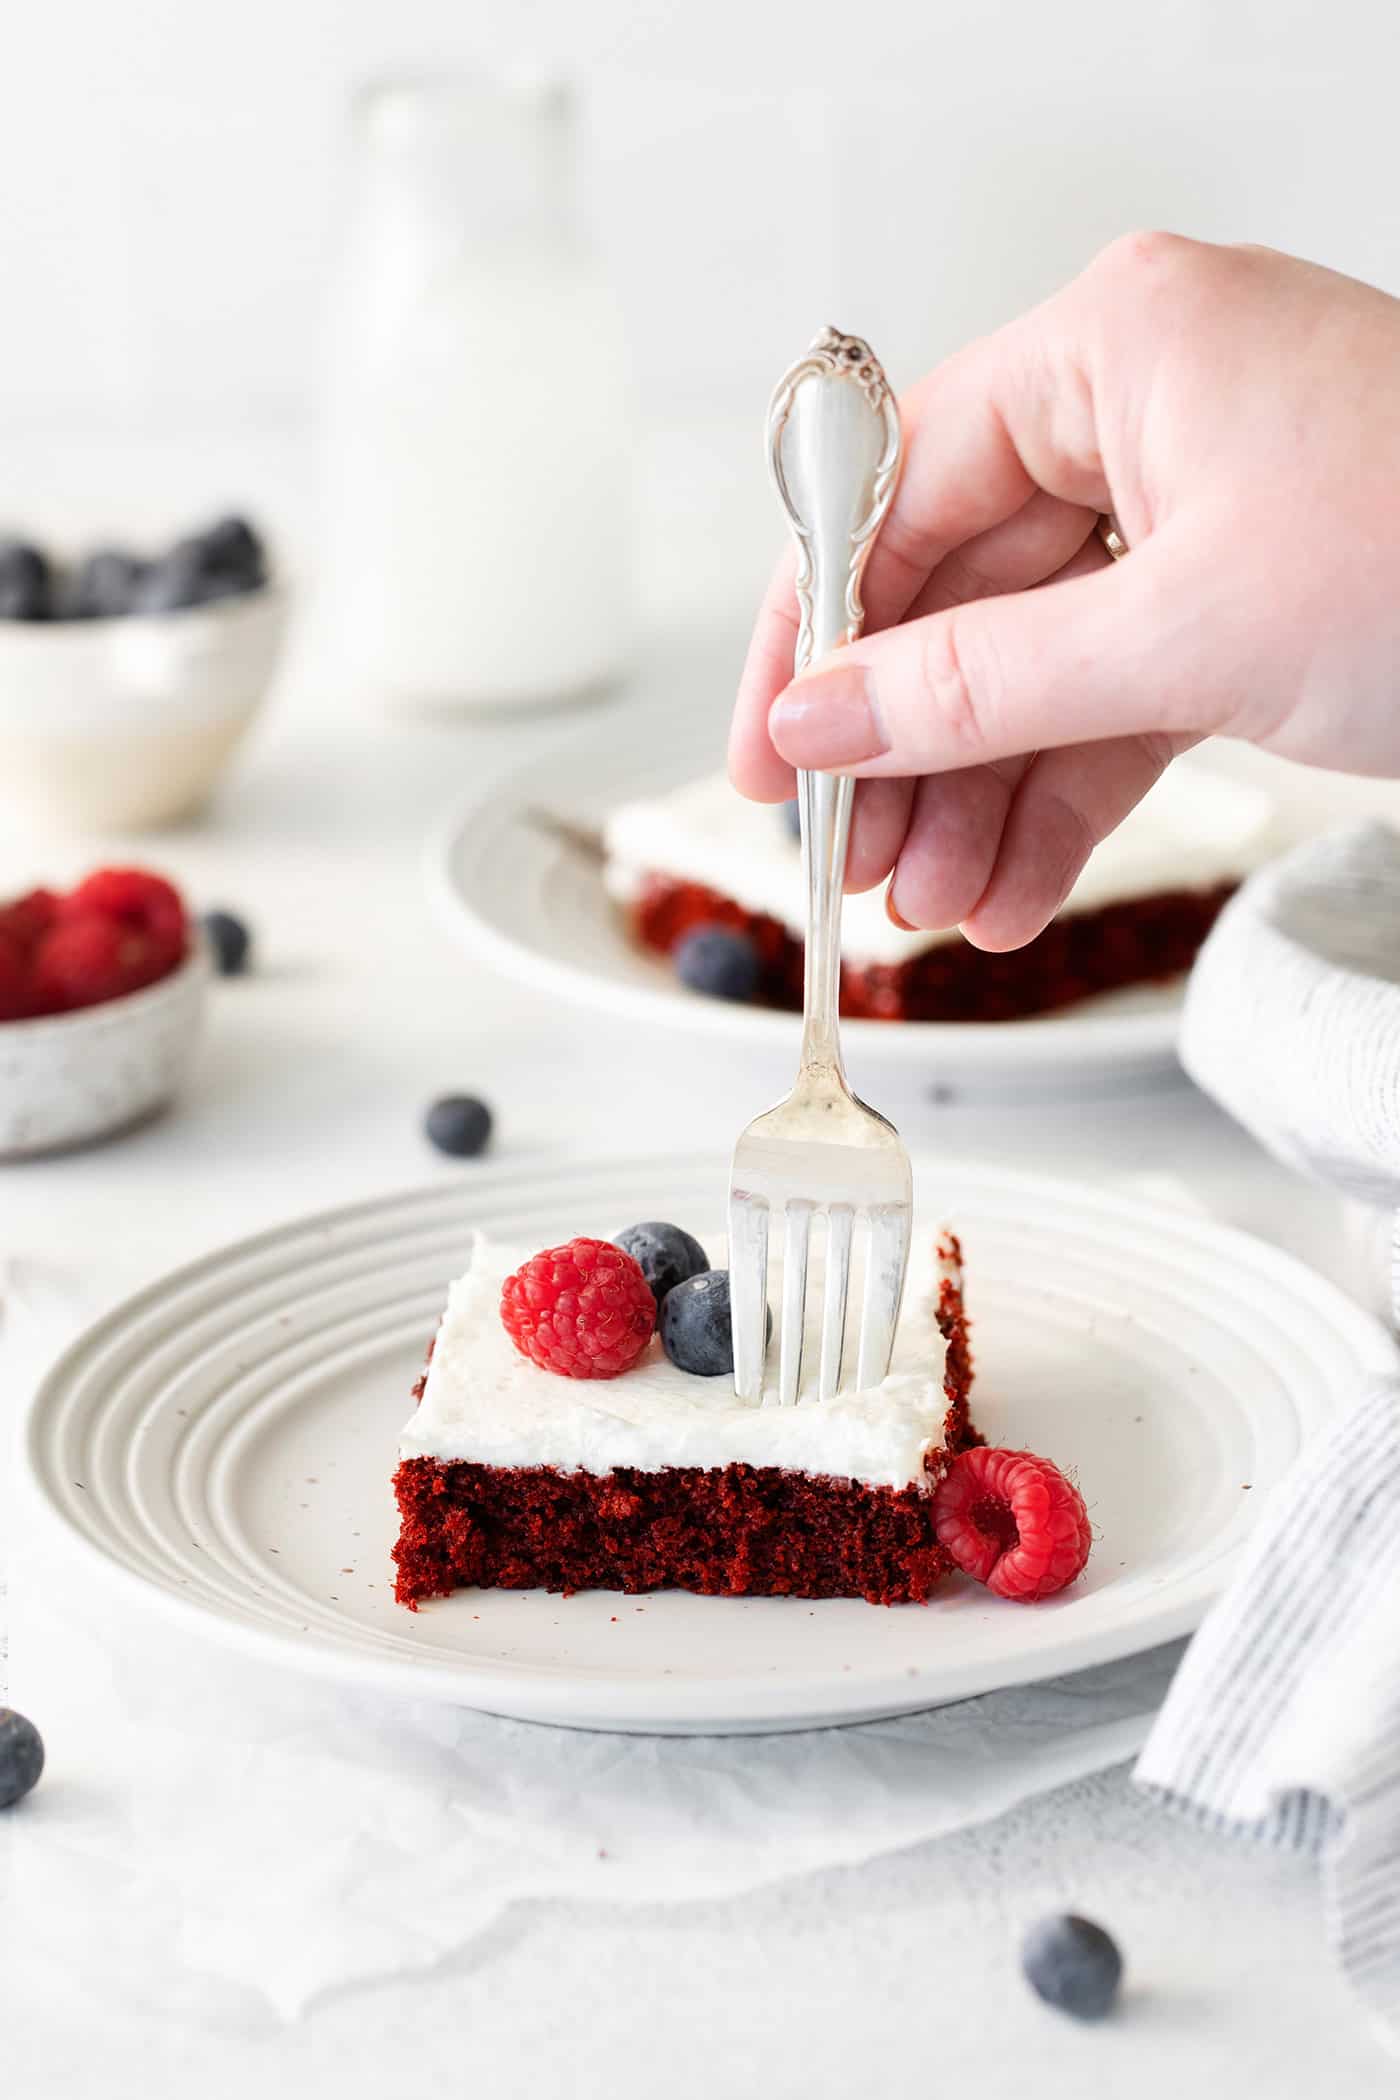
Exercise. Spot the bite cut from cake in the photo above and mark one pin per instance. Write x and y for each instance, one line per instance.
(702, 856)
(513, 1475)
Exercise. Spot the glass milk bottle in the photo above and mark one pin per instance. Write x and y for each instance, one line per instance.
(477, 520)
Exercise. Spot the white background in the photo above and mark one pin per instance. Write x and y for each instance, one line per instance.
(171, 175)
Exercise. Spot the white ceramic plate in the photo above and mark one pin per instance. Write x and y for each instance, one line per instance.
(530, 902)
(224, 1443)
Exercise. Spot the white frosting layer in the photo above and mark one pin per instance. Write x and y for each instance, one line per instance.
(1195, 829)
(486, 1403)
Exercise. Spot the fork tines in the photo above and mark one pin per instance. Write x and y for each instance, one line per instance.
(883, 1250)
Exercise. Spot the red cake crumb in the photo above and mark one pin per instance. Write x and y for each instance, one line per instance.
(1145, 940)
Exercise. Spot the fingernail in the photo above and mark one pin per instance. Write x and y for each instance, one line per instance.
(828, 718)
(893, 916)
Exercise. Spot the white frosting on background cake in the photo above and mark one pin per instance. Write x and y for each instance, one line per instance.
(1195, 829)
(486, 1403)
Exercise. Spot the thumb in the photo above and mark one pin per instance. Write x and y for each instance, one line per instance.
(1115, 653)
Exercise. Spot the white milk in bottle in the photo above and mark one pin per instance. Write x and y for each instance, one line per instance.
(478, 528)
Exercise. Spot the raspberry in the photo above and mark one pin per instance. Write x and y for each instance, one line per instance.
(134, 898)
(88, 959)
(1013, 1521)
(17, 994)
(28, 917)
(584, 1309)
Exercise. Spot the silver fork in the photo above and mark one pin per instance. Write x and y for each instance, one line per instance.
(833, 448)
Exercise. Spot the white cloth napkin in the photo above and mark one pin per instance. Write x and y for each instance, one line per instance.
(1292, 1016)
(1284, 1721)
(208, 1826)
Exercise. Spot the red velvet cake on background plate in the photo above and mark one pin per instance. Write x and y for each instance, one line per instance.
(701, 855)
(628, 1471)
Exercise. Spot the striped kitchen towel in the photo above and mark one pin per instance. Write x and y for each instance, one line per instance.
(1283, 1721)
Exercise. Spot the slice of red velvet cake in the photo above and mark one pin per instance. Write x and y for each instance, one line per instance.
(633, 1473)
(702, 856)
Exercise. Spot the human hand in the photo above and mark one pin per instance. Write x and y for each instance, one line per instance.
(1016, 692)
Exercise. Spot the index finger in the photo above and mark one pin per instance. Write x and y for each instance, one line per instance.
(754, 766)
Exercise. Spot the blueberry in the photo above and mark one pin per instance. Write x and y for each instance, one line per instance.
(714, 960)
(1073, 1965)
(223, 562)
(694, 1324)
(459, 1124)
(230, 940)
(21, 1756)
(234, 549)
(181, 578)
(103, 586)
(26, 587)
(792, 821)
(666, 1255)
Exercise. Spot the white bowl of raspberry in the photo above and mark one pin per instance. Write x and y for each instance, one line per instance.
(102, 994)
(126, 683)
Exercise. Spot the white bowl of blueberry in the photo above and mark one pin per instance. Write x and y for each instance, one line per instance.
(126, 680)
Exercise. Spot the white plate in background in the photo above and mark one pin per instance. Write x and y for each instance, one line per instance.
(223, 1445)
(519, 894)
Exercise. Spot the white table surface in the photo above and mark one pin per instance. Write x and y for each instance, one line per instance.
(899, 1978)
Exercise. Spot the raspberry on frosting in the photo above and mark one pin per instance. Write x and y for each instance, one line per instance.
(1012, 1521)
(583, 1310)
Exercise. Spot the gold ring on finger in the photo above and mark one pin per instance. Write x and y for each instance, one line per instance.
(1113, 540)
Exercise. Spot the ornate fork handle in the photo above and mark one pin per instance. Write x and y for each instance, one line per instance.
(833, 449)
